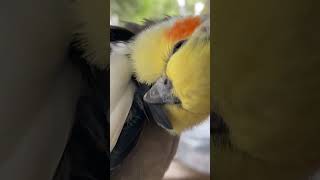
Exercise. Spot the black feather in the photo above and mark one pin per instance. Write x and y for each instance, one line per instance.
(219, 131)
(86, 154)
(135, 120)
(139, 112)
(120, 34)
(130, 133)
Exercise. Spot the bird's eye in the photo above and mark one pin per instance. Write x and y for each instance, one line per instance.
(178, 45)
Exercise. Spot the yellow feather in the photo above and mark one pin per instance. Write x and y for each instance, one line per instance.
(150, 51)
(188, 69)
(182, 119)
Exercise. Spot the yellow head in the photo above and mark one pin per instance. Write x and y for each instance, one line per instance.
(174, 56)
(152, 49)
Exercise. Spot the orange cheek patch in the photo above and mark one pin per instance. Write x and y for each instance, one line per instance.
(183, 28)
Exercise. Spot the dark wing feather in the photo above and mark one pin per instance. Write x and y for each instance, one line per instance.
(139, 113)
(86, 154)
(136, 118)
(120, 34)
(140, 110)
(130, 133)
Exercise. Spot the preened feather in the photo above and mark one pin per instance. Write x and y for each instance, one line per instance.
(135, 119)
(140, 112)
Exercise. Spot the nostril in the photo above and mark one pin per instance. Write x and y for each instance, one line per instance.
(165, 81)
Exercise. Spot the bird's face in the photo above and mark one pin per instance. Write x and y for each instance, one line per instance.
(174, 57)
(154, 47)
(189, 72)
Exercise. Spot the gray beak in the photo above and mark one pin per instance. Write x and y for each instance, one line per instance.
(161, 93)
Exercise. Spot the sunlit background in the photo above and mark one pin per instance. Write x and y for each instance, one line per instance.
(137, 10)
(192, 160)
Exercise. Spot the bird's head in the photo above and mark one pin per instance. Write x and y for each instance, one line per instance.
(174, 57)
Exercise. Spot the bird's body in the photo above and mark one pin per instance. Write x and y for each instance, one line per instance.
(85, 155)
(126, 114)
(180, 51)
(121, 91)
(42, 136)
(137, 64)
(266, 79)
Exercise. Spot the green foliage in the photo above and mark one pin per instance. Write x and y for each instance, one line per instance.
(137, 10)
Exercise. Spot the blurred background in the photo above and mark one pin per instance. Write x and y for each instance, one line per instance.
(137, 10)
(192, 161)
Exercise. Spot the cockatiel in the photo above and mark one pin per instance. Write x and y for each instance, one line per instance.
(126, 110)
(86, 155)
(177, 64)
(266, 90)
(176, 98)
(53, 114)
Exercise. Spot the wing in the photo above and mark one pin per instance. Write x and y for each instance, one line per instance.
(128, 110)
(121, 91)
(85, 156)
(126, 113)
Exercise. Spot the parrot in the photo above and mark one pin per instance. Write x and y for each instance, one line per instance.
(265, 96)
(86, 155)
(159, 71)
(178, 68)
(54, 99)
(126, 109)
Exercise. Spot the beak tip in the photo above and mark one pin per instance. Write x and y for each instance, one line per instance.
(152, 97)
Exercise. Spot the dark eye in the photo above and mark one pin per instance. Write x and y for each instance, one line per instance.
(178, 45)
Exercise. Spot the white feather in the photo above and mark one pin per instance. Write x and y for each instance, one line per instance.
(121, 90)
